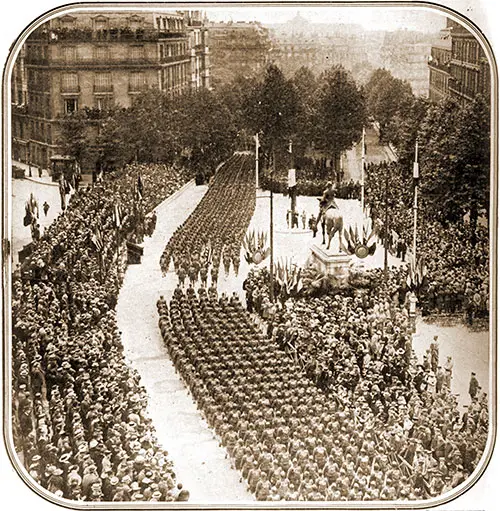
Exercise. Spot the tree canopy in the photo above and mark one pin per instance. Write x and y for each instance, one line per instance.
(340, 112)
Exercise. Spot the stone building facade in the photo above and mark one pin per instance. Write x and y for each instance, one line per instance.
(458, 66)
(99, 60)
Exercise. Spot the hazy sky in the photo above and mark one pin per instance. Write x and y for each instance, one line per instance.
(374, 18)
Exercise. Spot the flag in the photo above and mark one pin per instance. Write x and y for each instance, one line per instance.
(415, 163)
(117, 215)
(140, 187)
(290, 147)
(97, 240)
(291, 178)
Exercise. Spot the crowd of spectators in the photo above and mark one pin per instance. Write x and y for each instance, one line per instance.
(457, 267)
(377, 425)
(215, 230)
(80, 425)
(312, 186)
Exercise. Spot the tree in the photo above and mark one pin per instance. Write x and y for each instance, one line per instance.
(340, 112)
(405, 126)
(438, 168)
(208, 132)
(272, 108)
(75, 138)
(306, 85)
(472, 135)
(455, 158)
(387, 97)
(112, 151)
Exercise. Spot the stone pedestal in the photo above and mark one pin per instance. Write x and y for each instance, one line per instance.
(329, 262)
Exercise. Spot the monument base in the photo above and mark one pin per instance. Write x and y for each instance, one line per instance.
(329, 263)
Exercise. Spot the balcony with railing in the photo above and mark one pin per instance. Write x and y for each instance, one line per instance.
(104, 62)
(174, 58)
(439, 65)
(70, 88)
(103, 88)
(122, 34)
(137, 88)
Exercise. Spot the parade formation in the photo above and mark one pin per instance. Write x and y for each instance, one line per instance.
(309, 333)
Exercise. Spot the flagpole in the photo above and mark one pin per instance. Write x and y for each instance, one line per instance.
(256, 161)
(363, 172)
(271, 231)
(117, 220)
(415, 205)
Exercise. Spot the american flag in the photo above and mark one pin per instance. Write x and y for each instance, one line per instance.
(139, 187)
(97, 240)
(117, 215)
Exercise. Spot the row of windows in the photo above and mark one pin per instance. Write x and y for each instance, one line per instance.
(439, 80)
(101, 22)
(100, 53)
(468, 51)
(167, 23)
(70, 105)
(38, 79)
(70, 80)
(37, 51)
(172, 50)
(173, 76)
(35, 130)
(39, 104)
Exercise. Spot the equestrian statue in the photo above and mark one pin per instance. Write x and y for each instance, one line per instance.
(330, 216)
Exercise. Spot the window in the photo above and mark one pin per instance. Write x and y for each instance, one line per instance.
(69, 82)
(70, 105)
(137, 81)
(68, 53)
(101, 53)
(100, 23)
(137, 52)
(103, 102)
(102, 82)
(135, 22)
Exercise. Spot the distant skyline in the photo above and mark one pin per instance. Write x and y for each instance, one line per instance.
(370, 18)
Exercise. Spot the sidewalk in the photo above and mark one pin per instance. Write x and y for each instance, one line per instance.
(45, 179)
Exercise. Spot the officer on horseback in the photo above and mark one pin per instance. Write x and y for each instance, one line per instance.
(327, 201)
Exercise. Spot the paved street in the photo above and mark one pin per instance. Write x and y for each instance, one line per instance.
(468, 349)
(375, 153)
(199, 462)
(295, 244)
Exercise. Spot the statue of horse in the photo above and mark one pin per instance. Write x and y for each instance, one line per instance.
(332, 222)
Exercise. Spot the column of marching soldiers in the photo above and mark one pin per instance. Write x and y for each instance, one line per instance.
(374, 432)
(80, 425)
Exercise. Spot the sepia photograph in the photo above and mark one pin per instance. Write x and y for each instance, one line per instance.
(249, 255)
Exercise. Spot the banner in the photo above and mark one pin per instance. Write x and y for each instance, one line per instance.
(291, 178)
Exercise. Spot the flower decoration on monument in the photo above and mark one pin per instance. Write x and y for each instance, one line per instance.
(357, 243)
(256, 247)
